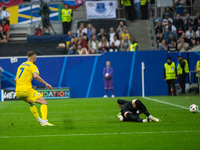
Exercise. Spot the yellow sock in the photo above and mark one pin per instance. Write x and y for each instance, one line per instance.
(43, 110)
(34, 110)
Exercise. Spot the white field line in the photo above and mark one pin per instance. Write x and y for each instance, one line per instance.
(167, 103)
(101, 134)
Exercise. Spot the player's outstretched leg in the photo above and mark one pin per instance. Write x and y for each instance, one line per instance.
(43, 110)
(144, 110)
(35, 112)
(135, 118)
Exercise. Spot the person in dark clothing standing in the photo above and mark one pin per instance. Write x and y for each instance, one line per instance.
(182, 71)
(144, 9)
(170, 75)
(44, 13)
(127, 4)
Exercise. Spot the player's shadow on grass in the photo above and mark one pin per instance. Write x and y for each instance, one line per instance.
(68, 124)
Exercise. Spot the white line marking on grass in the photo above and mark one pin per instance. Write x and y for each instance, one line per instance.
(155, 100)
(101, 134)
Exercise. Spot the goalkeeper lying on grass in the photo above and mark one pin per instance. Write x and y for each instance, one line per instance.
(130, 111)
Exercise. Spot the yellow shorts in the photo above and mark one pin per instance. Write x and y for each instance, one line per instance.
(28, 96)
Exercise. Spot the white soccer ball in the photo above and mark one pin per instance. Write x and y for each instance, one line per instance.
(107, 75)
(194, 108)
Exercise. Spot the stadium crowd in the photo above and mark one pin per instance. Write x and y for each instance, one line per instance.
(4, 24)
(88, 41)
(179, 33)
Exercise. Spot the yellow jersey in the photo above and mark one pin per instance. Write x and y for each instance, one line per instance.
(24, 76)
(123, 35)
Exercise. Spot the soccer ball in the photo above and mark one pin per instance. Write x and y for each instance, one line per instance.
(194, 108)
(107, 75)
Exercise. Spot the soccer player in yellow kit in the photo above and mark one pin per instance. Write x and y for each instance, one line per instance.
(24, 91)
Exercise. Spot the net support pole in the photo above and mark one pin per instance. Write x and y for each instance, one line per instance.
(143, 69)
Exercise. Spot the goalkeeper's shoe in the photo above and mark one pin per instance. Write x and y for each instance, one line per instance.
(47, 124)
(146, 120)
(154, 118)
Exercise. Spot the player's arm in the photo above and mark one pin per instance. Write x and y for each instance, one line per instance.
(15, 81)
(38, 78)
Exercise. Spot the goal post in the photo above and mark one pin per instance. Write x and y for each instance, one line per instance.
(143, 69)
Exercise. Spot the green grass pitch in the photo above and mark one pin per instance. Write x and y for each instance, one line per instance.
(93, 124)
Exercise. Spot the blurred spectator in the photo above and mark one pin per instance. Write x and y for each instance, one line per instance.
(111, 34)
(163, 45)
(93, 33)
(93, 45)
(90, 29)
(189, 33)
(134, 46)
(81, 31)
(182, 46)
(81, 41)
(4, 30)
(84, 29)
(71, 47)
(171, 27)
(198, 24)
(123, 48)
(101, 34)
(196, 20)
(172, 39)
(194, 41)
(44, 13)
(84, 51)
(198, 34)
(124, 33)
(4, 13)
(182, 36)
(67, 15)
(178, 22)
(172, 47)
(166, 20)
(158, 28)
(159, 39)
(179, 4)
(167, 34)
(38, 31)
(167, 10)
(78, 50)
(113, 48)
(137, 4)
(115, 41)
(69, 37)
(120, 27)
(125, 44)
(188, 22)
(103, 45)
